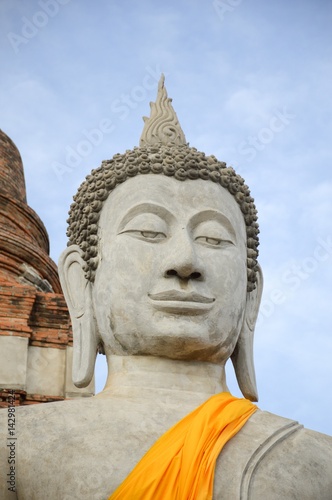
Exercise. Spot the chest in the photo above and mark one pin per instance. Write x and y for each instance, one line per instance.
(87, 456)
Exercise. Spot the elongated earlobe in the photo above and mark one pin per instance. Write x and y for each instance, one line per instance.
(78, 295)
(243, 355)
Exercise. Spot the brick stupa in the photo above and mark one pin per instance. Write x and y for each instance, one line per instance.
(35, 331)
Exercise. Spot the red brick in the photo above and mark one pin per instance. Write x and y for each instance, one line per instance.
(28, 307)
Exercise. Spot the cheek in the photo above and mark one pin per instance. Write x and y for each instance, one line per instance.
(127, 267)
(228, 272)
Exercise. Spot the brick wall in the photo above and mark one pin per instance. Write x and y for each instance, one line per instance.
(35, 331)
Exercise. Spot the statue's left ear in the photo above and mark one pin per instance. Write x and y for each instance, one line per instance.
(78, 294)
(243, 356)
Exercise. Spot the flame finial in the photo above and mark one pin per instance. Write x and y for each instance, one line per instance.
(163, 125)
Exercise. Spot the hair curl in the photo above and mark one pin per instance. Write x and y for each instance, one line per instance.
(180, 162)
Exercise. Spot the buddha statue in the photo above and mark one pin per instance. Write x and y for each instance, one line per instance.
(161, 275)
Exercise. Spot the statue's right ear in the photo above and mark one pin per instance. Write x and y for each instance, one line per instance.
(78, 294)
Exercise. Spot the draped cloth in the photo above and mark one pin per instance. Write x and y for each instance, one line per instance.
(180, 465)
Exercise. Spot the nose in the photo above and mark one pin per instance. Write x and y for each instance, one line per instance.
(183, 274)
(182, 261)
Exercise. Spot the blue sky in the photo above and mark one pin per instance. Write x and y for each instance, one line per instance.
(251, 84)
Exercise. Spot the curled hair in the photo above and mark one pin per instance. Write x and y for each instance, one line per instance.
(179, 161)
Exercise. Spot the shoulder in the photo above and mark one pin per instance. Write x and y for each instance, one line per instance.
(298, 464)
(274, 457)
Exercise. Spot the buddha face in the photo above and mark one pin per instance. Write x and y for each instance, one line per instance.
(171, 279)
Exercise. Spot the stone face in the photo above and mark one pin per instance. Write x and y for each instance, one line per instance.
(184, 251)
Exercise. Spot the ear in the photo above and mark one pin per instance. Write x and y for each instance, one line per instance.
(243, 355)
(78, 294)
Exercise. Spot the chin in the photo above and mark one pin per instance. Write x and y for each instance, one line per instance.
(188, 350)
(180, 343)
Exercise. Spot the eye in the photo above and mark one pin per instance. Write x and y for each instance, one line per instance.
(147, 227)
(212, 234)
(208, 240)
(153, 236)
(213, 242)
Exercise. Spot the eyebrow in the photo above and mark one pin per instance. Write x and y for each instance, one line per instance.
(147, 207)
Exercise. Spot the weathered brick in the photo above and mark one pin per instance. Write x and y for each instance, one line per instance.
(31, 300)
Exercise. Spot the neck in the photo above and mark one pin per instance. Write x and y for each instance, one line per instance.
(152, 377)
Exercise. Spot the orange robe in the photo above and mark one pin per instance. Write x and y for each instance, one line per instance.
(180, 465)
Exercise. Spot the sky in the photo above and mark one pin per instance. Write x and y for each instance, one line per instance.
(251, 84)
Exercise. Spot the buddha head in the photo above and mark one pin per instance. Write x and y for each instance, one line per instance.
(162, 256)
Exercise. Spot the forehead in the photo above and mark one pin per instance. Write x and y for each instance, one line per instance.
(183, 199)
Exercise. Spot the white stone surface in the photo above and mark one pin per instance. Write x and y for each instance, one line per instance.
(13, 362)
(46, 371)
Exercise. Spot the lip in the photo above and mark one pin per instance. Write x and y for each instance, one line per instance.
(176, 301)
(178, 295)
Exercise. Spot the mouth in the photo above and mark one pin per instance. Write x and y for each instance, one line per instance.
(179, 302)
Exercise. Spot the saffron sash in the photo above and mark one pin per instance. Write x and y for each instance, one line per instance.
(180, 465)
